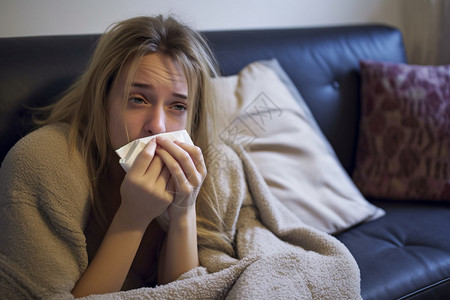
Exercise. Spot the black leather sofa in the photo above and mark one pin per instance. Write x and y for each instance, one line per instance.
(405, 254)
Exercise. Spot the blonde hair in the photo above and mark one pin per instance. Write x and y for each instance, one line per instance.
(84, 106)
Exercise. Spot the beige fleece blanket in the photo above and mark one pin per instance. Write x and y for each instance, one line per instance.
(278, 257)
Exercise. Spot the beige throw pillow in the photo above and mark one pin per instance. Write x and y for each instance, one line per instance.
(286, 144)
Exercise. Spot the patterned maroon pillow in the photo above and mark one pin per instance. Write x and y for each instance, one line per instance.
(404, 143)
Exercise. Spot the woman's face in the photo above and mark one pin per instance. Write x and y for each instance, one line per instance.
(157, 102)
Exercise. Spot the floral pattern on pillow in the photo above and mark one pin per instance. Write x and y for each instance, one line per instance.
(404, 144)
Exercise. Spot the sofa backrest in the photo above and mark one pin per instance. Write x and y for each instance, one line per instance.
(322, 62)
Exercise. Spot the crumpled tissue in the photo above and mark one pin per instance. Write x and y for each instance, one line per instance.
(129, 152)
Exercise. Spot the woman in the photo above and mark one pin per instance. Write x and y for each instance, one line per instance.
(147, 76)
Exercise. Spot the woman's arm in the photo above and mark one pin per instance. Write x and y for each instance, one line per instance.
(143, 198)
(186, 165)
(179, 252)
(109, 268)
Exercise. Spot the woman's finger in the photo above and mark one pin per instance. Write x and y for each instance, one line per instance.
(177, 172)
(154, 169)
(180, 160)
(163, 179)
(143, 159)
(196, 156)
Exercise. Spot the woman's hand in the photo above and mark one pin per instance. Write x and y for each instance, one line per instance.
(145, 188)
(187, 168)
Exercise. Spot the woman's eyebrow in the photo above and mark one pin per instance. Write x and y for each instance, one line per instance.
(178, 95)
(143, 85)
(151, 87)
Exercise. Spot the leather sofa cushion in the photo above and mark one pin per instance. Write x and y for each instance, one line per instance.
(406, 251)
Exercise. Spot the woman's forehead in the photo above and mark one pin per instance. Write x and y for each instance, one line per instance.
(155, 69)
(160, 67)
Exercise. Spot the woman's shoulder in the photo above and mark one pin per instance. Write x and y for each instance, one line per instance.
(44, 153)
(47, 142)
(42, 167)
(45, 136)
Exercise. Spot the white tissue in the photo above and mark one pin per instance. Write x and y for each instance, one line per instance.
(129, 152)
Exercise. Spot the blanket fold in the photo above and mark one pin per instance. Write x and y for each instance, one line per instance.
(276, 255)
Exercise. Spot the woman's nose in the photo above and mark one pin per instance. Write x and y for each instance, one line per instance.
(156, 122)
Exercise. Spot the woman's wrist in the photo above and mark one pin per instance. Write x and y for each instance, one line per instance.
(182, 217)
(128, 222)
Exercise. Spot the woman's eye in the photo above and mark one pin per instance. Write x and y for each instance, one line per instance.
(136, 100)
(179, 107)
